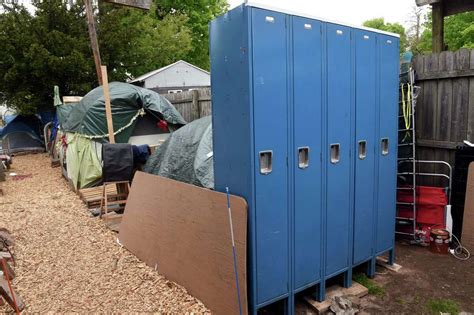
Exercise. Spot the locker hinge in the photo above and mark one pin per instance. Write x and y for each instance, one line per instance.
(287, 163)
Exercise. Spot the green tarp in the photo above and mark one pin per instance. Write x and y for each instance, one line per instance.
(87, 118)
(186, 155)
(83, 161)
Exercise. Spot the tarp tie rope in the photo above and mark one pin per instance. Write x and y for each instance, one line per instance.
(406, 108)
(140, 112)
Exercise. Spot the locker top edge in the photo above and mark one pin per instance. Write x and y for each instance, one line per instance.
(255, 4)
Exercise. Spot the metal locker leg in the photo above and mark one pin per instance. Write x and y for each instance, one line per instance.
(348, 278)
(371, 265)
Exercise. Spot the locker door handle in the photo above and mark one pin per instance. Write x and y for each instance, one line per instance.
(384, 146)
(335, 153)
(303, 157)
(362, 149)
(265, 158)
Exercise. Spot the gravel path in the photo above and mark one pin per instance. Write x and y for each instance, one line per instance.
(70, 262)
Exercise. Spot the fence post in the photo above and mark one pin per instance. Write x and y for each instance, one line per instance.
(195, 105)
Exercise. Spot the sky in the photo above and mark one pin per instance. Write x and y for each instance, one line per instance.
(353, 12)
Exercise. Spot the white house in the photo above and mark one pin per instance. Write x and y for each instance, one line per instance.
(174, 78)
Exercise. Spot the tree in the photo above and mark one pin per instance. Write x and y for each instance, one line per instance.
(458, 32)
(200, 13)
(379, 23)
(139, 41)
(52, 47)
(415, 30)
(40, 51)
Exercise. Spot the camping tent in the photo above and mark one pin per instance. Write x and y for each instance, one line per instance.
(83, 126)
(22, 134)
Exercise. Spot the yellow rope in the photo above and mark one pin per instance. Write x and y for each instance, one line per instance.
(406, 108)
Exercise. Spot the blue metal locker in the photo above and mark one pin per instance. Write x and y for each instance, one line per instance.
(364, 145)
(388, 50)
(338, 204)
(307, 104)
(292, 97)
(249, 55)
(270, 104)
(232, 120)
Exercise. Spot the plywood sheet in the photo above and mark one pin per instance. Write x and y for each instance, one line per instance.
(467, 237)
(183, 231)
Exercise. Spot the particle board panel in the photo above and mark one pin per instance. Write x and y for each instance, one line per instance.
(183, 232)
(467, 237)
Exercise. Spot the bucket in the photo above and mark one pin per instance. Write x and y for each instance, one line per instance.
(439, 241)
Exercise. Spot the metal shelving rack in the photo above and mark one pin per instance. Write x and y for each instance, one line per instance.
(407, 150)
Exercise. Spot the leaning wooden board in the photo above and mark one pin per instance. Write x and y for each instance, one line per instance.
(467, 237)
(183, 231)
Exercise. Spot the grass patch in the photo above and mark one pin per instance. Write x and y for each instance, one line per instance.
(373, 288)
(437, 306)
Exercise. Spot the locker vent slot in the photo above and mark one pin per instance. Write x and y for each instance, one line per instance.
(362, 149)
(384, 143)
(335, 153)
(303, 157)
(339, 32)
(270, 19)
(308, 26)
(266, 162)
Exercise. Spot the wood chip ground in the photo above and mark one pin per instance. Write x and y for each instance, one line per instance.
(68, 261)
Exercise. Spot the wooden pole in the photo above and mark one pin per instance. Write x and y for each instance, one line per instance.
(438, 27)
(108, 109)
(93, 38)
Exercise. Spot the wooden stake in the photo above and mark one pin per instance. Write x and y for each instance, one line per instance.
(438, 28)
(108, 109)
(93, 38)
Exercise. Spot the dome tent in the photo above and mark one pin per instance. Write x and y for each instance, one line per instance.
(22, 134)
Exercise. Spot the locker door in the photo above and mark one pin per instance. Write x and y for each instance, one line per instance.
(364, 145)
(307, 150)
(271, 146)
(387, 141)
(338, 212)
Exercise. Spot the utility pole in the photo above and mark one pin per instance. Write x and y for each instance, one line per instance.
(93, 38)
(99, 68)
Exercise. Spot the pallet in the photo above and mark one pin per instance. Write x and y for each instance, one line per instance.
(356, 290)
(92, 196)
(112, 221)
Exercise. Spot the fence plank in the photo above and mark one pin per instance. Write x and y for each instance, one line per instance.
(470, 111)
(445, 107)
(193, 104)
(444, 101)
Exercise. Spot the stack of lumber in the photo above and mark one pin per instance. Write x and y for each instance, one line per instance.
(7, 273)
(92, 196)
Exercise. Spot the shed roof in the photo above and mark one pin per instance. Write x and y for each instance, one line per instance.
(152, 73)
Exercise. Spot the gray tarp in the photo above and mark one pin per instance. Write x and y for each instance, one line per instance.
(186, 155)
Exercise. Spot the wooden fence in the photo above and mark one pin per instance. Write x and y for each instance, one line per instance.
(192, 104)
(445, 106)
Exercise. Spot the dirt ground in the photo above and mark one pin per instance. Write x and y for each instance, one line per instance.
(68, 261)
(424, 276)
